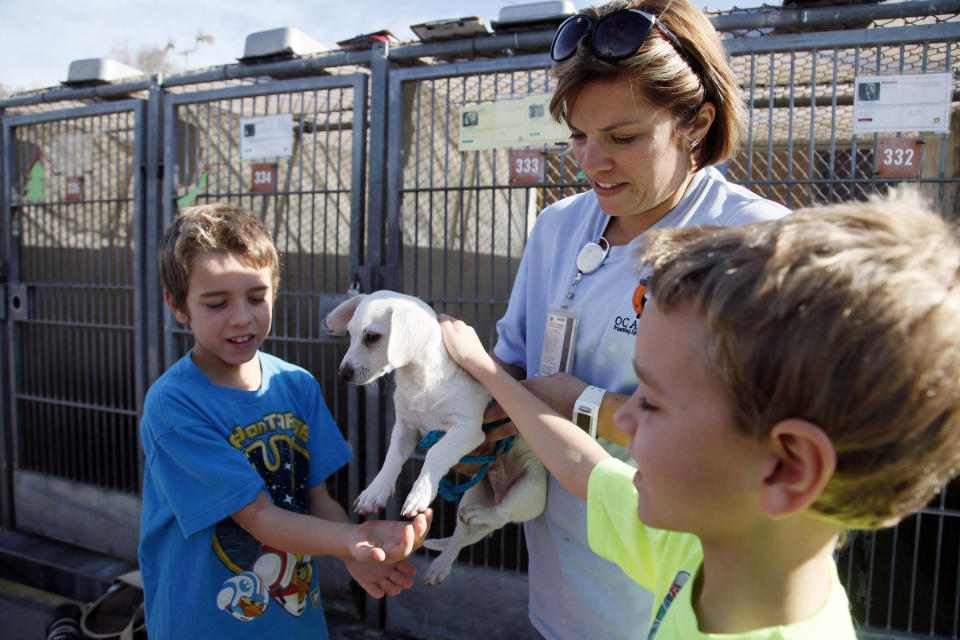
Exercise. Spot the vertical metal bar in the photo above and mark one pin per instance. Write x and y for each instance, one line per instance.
(384, 200)
(445, 288)
(146, 298)
(792, 103)
(171, 170)
(751, 111)
(831, 173)
(7, 451)
(225, 132)
(382, 246)
(918, 519)
(431, 195)
(936, 565)
(895, 533)
(853, 142)
(956, 601)
(772, 95)
(415, 199)
(871, 562)
(149, 338)
(943, 145)
(461, 201)
(811, 165)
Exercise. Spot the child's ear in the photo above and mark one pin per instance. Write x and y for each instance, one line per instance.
(181, 316)
(802, 460)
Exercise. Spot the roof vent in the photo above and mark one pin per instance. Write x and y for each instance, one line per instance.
(99, 71)
(533, 16)
(283, 43)
(454, 28)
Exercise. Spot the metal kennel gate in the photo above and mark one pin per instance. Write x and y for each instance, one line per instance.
(73, 245)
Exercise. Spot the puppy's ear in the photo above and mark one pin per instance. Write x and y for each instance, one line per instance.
(411, 332)
(338, 319)
(399, 349)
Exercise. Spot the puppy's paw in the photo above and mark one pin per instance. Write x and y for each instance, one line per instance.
(478, 515)
(437, 544)
(372, 499)
(438, 570)
(419, 498)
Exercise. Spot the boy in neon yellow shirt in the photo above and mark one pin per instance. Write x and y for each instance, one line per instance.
(797, 378)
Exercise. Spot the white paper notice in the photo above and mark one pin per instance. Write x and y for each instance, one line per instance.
(266, 137)
(903, 103)
(516, 122)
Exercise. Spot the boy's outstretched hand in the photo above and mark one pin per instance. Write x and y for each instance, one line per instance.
(378, 549)
(464, 347)
(389, 540)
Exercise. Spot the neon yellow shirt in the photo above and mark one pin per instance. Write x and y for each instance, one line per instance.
(665, 561)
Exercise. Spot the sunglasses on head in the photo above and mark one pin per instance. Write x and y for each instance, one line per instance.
(615, 36)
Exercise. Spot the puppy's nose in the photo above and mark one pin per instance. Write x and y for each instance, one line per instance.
(345, 373)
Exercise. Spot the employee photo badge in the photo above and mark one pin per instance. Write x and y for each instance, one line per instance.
(559, 341)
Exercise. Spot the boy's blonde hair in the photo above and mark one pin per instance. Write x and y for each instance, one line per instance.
(847, 316)
(680, 81)
(216, 227)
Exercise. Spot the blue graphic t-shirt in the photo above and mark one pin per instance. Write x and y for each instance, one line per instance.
(208, 451)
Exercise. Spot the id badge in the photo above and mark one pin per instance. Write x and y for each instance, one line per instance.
(559, 341)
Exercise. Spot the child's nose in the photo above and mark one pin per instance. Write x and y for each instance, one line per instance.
(241, 315)
(624, 420)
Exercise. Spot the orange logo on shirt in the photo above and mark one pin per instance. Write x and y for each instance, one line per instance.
(640, 297)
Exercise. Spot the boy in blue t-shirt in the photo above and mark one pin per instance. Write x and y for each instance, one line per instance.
(238, 445)
(797, 378)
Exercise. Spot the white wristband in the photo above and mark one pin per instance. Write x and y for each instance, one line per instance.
(586, 409)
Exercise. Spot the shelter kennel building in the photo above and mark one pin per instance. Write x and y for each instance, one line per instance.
(376, 193)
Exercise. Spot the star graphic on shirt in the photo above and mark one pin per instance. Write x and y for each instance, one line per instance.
(288, 499)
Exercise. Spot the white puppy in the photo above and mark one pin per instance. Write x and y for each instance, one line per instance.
(390, 331)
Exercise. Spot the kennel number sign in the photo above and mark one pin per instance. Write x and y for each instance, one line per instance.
(74, 189)
(526, 166)
(899, 157)
(263, 177)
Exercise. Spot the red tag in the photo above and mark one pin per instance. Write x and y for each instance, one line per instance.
(899, 157)
(74, 189)
(263, 177)
(526, 166)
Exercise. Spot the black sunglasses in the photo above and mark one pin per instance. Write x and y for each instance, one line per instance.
(615, 36)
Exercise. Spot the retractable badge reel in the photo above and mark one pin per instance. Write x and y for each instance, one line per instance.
(592, 255)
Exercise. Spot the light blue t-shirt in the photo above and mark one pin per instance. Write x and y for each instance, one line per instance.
(574, 593)
(208, 451)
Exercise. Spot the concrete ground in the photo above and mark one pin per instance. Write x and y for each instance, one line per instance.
(25, 611)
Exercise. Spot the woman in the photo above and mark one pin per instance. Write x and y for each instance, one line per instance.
(652, 104)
